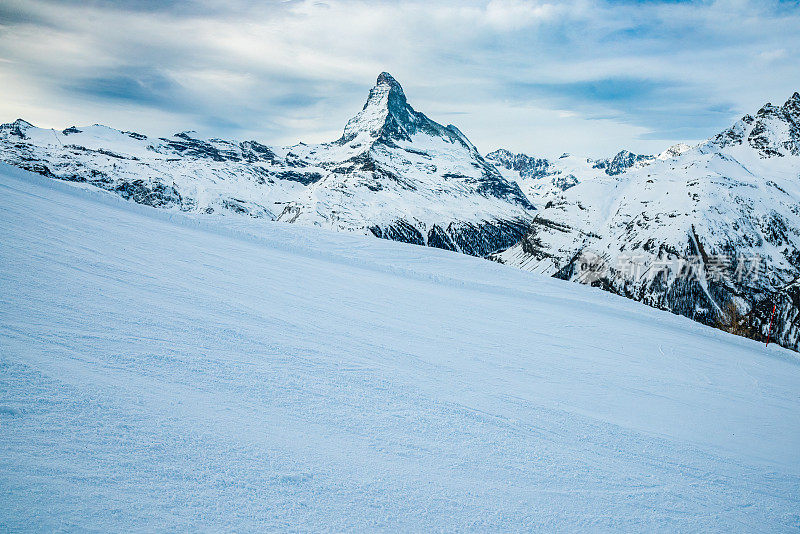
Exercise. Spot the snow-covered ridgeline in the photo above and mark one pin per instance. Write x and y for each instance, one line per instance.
(394, 173)
(540, 178)
(728, 207)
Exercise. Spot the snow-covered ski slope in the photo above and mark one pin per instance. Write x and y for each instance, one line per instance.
(159, 372)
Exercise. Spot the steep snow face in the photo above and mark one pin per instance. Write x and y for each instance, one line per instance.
(542, 179)
(712, 233)
(167, 371)
(394, 173)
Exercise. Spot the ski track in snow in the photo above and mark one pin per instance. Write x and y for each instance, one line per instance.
(163, 372)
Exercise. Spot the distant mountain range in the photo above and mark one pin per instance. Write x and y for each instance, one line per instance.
(538, 177)
(393, 173)
(711, 232)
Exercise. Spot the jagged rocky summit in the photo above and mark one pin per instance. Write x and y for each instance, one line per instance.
(394, 173)
(710, 232)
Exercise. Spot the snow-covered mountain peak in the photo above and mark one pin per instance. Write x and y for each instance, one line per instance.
(384, 113)
(622, 161)
(674, 151)
(17, 128)
(774, 131)
(387, 80)
(417, 179)
(767, 109)
(187, 134)
(388, 118)
(792, 106)
(387, 97)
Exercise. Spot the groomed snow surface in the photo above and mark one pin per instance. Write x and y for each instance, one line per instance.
(159, 372)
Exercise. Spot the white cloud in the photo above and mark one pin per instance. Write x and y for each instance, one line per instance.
(516, 14)
(769, 56)
(285, 71)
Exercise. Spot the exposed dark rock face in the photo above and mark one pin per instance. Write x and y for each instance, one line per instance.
(484, 239)
(305, 178)
(621, 162)
(474, 239)
(399, 231)
(526, 166)
(16, 129)
(153, 194)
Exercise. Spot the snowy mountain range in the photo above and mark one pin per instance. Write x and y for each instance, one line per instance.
(393, 173)
(710, 232)
(539, 177)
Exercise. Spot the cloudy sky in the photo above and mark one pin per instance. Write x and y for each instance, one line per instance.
(534, 76)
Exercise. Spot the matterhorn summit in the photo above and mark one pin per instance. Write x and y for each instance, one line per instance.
(386, 114)
(403, 176)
